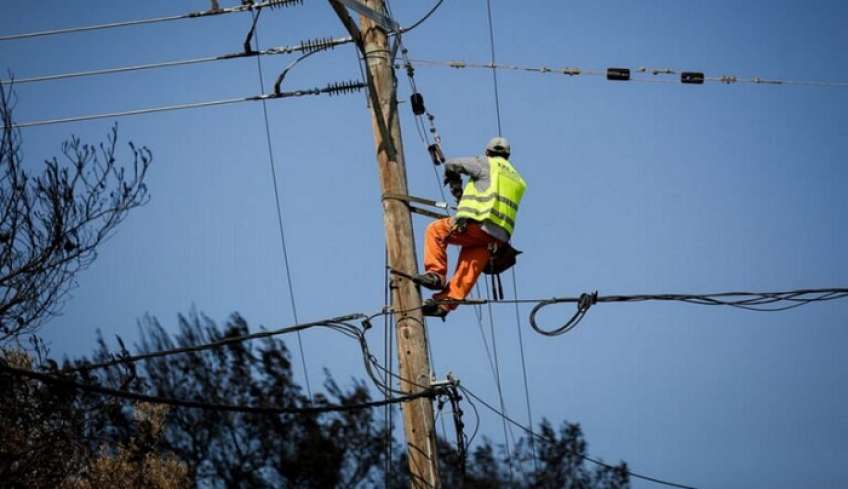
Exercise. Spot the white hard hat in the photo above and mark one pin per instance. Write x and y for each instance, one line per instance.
(498, 145)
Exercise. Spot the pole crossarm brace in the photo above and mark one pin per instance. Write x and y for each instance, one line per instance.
(357, 36)
(348, 22)
(382, 20)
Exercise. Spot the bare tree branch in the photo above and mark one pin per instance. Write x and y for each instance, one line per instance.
(52, 224)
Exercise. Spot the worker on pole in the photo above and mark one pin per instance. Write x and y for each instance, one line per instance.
(484, 222)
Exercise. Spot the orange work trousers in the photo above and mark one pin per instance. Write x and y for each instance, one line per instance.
(472, 258)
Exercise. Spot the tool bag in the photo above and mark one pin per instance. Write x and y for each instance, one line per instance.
(502, 257)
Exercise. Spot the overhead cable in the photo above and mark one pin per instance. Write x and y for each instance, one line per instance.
(497, 102)
(307, 47)
(340, 324)
(331, 89)
(649, 75)
(244, 7)
(507, 430)
(303, 47)
(524, 367)
(286, 267)
(230, 340)
(186, 403)
(587, 458)
(493, 64)
(426, 16)
(745, 300)
(752, 301)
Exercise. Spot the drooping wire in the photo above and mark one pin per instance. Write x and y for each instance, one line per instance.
(751, 301)
(342, 323)
(286, 266)
(587, 458)
(230, 340)
(426, 16)
(194, 404)
(307, 53)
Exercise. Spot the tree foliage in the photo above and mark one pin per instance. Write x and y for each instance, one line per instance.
(93, 440)
(52, 222)
(52, 437)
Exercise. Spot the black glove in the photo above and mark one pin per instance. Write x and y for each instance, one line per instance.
(459, 226)
(456, 190)
(452, 177)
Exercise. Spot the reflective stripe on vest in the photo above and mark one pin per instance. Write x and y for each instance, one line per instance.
(499, 202)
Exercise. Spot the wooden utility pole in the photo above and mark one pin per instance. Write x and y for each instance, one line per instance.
(414, 363)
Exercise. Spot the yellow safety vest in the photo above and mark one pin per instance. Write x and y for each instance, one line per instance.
(499, 202)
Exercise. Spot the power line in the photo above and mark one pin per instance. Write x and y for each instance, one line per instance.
(587, 458)
(523, 366)
(497, 369)
(231, 340)
(286, 267)
(185, 403)
(752, 301)
(493, 64)
(308, 46)
(497, 362)
(745, 300)
(245, 7)
(304, 46)
(426, 16)
(340, 324)
(497, 101)
(647, 75)
(331, 89)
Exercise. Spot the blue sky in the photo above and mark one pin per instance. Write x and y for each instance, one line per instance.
(633, 188)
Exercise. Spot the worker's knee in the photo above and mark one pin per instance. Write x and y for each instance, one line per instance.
(438, 228)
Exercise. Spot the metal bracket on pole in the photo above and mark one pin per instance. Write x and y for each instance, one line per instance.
(382, 20)
(451, 381)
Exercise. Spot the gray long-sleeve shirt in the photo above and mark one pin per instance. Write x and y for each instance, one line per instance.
(477, 169)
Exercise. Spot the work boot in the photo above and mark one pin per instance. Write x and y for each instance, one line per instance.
(429, 280)
(434, 309)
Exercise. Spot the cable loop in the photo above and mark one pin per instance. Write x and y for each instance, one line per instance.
(585, 301)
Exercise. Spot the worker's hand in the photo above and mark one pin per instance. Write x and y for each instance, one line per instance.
(456, 191)
(459, 226)
(451, 178)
